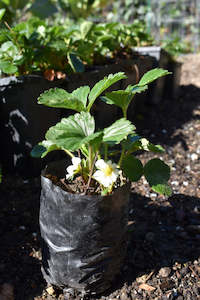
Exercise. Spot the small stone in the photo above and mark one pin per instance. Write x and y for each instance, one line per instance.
(153, 195)
(176, 183)
(164, 272)
(193, 228)
(185, 183)
(141, 279)
(22, 227)
(197, 209)
(194, 156)
(124, 296)
(164, 131)
(188, 168)
(50, 290)
(150, 236)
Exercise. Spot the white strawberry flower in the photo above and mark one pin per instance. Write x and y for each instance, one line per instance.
(107, 172)
(74, 168)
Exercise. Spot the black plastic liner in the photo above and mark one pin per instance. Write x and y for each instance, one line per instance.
(23, 122)
(83, 237)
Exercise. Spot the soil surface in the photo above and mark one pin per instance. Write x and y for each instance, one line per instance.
(163, 258)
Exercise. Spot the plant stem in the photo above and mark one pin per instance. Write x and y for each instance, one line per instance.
(121, 157)
(125, 113)
(106, 152)
(91, 171)
(69, 153)
(90, 157)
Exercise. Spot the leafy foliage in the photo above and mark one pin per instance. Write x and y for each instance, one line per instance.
(38, 46)
(157, 174)
(77, 134)
(132, 167)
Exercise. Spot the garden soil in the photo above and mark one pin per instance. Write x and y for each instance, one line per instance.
(163, 258)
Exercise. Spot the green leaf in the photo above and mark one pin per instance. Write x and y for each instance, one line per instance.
(147, 146)
(131, 142)
(85, 28)
(75, 63)
(120, 98)
(151, 76)
(102, 85)
(7, 67)
(118, 131)
(157, 173)
(62, 99)
(43, 148)
(81, 93)
(2, 12)
(155, 148)
(136, 89)
(73, 132)
(163, 189)
(132, 167)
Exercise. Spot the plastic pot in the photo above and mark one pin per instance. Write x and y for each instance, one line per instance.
(83, 236)
(23, 122)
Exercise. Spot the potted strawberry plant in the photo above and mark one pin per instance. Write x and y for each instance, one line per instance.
(84, 200)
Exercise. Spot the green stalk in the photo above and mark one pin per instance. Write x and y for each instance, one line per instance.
(121, 157)
(90, 157)
(69, 153)
(106, 152)
(125, 113)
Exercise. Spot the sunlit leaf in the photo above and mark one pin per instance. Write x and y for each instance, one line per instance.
(136, 89)
(62, 99)
(120, 98)
(102, 85)
(2, 12)
(75, 63)
(85, 28)
(152, 75)
(72, 132)
(7, 67)
(118, 131)
(163, 189)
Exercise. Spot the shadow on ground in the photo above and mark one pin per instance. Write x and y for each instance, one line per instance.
(161, 121)
(162, 234)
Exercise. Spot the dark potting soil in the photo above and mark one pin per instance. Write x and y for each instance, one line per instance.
(163, 258)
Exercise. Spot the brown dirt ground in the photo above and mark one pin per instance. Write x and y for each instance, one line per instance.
(163, 259)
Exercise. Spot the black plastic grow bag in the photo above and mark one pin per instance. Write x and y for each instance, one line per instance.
(23, 122)
(83, 237)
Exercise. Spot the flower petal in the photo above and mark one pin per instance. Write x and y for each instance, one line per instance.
(76, 161)
(71, 170)
(100, 164)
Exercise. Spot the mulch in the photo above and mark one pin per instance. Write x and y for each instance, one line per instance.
(163, 257)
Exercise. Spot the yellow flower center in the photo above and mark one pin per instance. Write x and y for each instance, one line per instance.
(108, 170)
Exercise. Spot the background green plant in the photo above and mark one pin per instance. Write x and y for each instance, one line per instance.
(35, 46)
